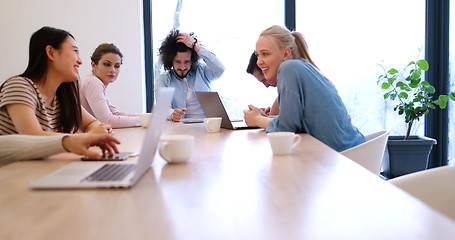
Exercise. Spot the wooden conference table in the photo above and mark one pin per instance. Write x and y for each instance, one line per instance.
(231, 188)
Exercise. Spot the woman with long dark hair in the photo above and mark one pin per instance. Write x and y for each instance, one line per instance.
(44, 100)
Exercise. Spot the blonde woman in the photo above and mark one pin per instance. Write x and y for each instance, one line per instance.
(308, 102)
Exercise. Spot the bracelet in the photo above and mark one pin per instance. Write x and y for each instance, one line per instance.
(194, 43)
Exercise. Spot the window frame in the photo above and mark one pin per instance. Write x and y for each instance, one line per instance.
(436, 53)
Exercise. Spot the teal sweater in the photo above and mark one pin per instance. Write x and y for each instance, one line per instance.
(308, 103)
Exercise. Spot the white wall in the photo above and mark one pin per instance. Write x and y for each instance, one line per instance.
(91, 22)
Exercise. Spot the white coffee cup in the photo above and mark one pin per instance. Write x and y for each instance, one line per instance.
(212, 124)
(176, 148)
(283, 142)
(144, 119)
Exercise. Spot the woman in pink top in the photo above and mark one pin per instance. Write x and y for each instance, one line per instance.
(106, 62)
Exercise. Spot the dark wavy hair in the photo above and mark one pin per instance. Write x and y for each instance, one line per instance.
(170, 47)
(68, 92)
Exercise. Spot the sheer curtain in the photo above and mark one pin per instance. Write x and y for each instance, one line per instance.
(348, 39)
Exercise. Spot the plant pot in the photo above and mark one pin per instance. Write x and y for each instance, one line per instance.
(406, 156)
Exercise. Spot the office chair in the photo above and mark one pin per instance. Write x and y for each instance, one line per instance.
(369, 154)
(433, 187)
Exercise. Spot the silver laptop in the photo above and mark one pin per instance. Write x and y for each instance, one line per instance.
(213, 107)
(113, 174)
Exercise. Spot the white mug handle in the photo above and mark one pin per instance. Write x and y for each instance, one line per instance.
(296, 140)
(163, 151)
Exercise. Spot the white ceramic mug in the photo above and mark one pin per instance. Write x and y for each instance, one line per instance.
(144, 119)
(283, 142)
(212, 124)
(176, 148)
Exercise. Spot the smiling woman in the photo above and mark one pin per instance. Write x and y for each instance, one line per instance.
(44, 100)
(106, 62)
(308, 102)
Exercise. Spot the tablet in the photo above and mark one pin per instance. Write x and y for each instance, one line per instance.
(116, 157)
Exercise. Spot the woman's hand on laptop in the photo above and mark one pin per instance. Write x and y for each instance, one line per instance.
(80, 144)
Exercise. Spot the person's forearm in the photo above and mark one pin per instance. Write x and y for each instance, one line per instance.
(18, 147)
(120, 121)
(274, 108)
(212, 61)
(197, 47)
(262, 122)
(93, 124)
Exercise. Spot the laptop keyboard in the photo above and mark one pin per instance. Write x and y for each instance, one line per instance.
(111, 172)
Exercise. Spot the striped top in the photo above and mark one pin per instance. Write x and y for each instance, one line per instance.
(24, 91)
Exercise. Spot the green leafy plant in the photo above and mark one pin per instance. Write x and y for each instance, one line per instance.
(414, 95)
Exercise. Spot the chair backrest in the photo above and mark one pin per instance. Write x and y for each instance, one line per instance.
(369, 154)
(433, 187)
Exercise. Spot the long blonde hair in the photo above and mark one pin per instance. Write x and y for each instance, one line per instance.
(295, 41)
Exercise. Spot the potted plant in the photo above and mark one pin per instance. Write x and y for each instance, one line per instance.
(414, 97)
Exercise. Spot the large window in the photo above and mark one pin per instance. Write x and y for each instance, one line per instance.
(230, 30)
(348, 39)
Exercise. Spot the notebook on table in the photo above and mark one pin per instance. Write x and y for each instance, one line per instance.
(113, 174)
(213, 107)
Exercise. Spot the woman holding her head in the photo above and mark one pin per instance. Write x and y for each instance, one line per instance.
(106, 62)
(308, 102)
(44, 100)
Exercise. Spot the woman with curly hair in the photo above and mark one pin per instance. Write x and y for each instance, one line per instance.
(180, 53)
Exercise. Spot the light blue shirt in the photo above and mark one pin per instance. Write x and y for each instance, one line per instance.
(198, 79)
(308, 103)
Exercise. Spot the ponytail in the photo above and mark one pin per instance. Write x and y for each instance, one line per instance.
(295, 41)
(300, 49)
